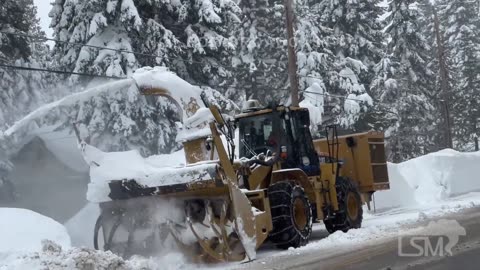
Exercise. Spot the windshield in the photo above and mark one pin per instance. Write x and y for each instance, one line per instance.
(256, 135)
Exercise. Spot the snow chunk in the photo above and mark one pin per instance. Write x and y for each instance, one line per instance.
(192, 134)
(83, 258)
(202, 116)
(23, 230)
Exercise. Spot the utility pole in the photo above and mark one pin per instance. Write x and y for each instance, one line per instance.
(445, 94)
(292, 56)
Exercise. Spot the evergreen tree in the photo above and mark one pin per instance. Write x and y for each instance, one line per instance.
(358, 37)
(314, 46)
(21, 91)
(404, 84)
(462, 29)
(261, 59)
(190, 37)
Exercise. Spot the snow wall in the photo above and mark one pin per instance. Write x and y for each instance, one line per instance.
(430, 179)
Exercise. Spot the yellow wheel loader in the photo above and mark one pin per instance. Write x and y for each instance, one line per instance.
(281, 182)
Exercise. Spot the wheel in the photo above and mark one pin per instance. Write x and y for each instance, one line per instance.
(350, 211)
(291, 215)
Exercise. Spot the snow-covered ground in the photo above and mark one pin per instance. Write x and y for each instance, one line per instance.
(426, 187)
(22, 232)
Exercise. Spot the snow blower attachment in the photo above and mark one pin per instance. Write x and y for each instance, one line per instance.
(219, 208)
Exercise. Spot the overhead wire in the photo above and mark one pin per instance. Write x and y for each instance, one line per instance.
(132, 52)
(107, 48)
(142, 54)
(59, 71)
(75, 43)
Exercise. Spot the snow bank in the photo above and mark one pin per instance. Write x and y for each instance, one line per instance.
(430, 179)
(22, 230)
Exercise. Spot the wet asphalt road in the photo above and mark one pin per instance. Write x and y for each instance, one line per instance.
(385, 255)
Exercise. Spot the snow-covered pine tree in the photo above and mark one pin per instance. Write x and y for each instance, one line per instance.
(261, 60)
(358, 47)
(314, 45)
(405, 86)
(462, 38)
(189, 37)
(429, 30)
(21, 91)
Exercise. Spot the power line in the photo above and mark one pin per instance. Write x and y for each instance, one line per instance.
(113, 49)
(76, 44)
(139, 53)
(60, 71)
(95, 75)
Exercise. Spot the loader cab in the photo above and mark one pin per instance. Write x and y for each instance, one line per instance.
(283, 131)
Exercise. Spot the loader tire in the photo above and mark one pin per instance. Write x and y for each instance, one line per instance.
(291, 215)
(350, 213)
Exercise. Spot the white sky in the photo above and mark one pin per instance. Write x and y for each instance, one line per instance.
(43, 8)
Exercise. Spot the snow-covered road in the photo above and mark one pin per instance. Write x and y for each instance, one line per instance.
(382, 252)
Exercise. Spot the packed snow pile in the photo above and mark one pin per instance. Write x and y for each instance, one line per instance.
(22, 230)
(430, 179)
(53, 256)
